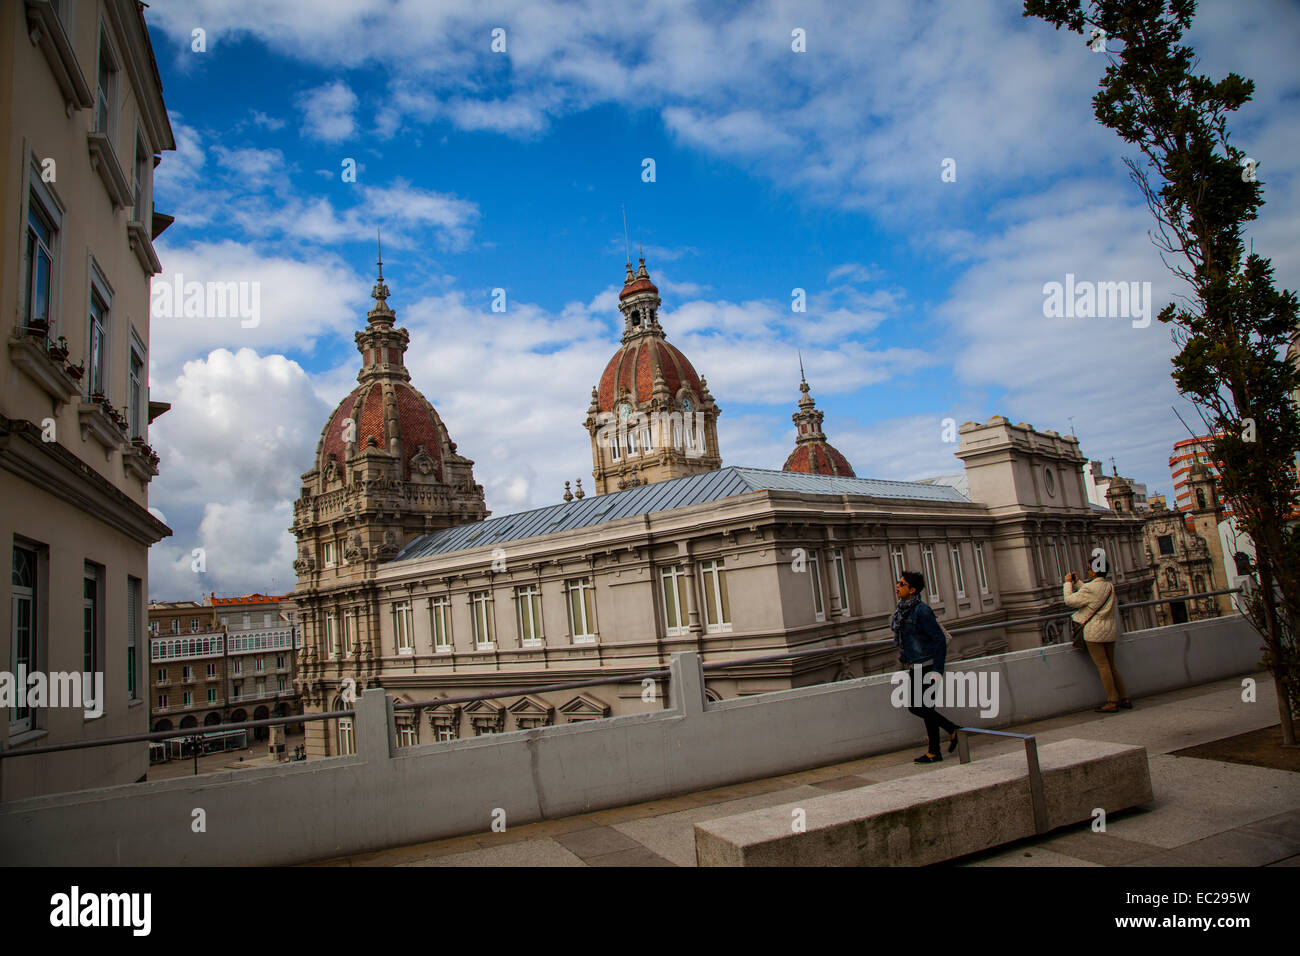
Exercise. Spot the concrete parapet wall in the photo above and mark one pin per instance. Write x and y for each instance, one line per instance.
(385, 796)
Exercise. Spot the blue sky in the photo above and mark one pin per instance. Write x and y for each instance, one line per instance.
(774, 170)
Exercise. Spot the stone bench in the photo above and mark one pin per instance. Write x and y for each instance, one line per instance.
(932, 816)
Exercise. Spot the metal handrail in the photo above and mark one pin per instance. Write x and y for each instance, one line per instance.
(1031, 757)
(169, 735)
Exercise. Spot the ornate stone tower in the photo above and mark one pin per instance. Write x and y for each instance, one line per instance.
(385, 472)
(651, 417)
(1206, 512)
(813, 454)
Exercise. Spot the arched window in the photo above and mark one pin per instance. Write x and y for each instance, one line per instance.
(1200, 497)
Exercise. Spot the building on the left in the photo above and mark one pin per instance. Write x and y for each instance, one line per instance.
(82, 106)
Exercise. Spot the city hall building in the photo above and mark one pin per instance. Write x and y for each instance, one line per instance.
(406, 583)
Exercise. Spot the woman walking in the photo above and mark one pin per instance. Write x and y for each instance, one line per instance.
(920, 640)
(1096, 603)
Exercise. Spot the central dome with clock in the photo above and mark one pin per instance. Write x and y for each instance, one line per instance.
(651, 416)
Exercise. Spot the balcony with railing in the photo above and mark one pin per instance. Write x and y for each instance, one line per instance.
(262, 639)
(193, 646)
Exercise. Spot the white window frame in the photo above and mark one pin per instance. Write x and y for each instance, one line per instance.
(162, 701)
(328, 557)
(819, 601)
(406, 735)
(440, 624)
(349, 631)
(841, 579)
(347, 737)
(42, 203)
(187, 698)
(403, 628)
(528, 615)
(107, 98)
(331, 634)
(931, 574)
(717, 612)
(480, 612)
(672, 580)
(98, 373)
(23, 718)
(958, 574)
(212, 695)
(897, 560)
(582, 626)
(981, 567)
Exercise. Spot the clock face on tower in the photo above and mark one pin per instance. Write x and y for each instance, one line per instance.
(687, 405)
(624, 410)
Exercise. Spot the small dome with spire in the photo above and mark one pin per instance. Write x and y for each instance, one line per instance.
(813, 454)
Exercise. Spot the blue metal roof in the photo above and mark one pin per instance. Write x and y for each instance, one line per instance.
(661, 496)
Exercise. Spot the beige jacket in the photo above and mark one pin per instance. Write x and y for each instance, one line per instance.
(1096, 603)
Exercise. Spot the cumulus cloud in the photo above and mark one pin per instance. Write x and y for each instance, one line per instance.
(327, 112)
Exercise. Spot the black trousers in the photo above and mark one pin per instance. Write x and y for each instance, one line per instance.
(933, 719)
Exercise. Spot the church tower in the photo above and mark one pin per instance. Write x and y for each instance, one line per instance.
(651, 417)
(385, 472)
(1206, 511)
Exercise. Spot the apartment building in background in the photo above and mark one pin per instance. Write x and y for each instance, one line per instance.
(187, 666)
(262, 644)
(82, 108)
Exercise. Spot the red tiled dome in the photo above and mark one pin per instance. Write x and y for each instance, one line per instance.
(818, 458)
(633, 367)
(417, 425)
(640, 285)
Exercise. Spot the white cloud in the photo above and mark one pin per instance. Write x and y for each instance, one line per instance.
(327, 112)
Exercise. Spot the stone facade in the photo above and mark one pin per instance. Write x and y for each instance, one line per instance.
(1185, 551)
(77, 255)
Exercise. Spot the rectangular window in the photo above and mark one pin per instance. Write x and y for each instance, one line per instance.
(673, 582)
(162, 675)
(106, 90)
(92, 624)
(260, 686)
(582, 610)
(404, 627)
(39, 263)
(980, 568)
(841, 580)
(958, 578)
(23, 656)
(238, 667)
(350, 631)
(212, 669)
(162, 701)
(896, 560)
(717, 605)
(98, 343)
(327, 554)
(481, 611)
(135, 395)
(1166, 542)
(140, 182)
(259, 665)
(133, 591)
(440, 611)
(347, 742)
(280, 662)
(282, 683)
(332, 633)
(189, 698)
(528, 611)
(406, 735)
(212, 695)
(187, 673)
(194, 625)
(931, 574)
(819, 608)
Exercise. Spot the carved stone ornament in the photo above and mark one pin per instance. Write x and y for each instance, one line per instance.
(392, 544)
(423, 462)
(305, 561)
(331, 468)
(354, 549)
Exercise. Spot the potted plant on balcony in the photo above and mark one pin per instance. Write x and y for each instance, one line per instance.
(76, 371)
(59, 350)
(38, 327)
